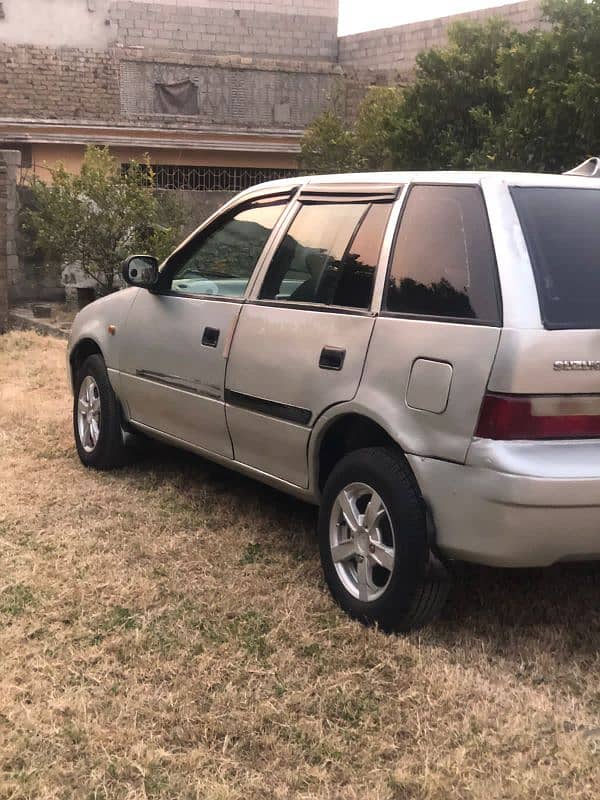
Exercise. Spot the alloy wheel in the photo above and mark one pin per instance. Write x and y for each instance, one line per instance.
(362, 542)
(88, 414)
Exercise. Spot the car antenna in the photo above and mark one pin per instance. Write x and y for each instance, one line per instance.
(587, 169)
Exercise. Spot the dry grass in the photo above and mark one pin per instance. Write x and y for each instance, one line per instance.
(165, 633)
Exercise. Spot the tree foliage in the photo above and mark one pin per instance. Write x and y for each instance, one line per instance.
(552, 79)
(329, 145)
(492, 98)
(455, 101)
(99, 216)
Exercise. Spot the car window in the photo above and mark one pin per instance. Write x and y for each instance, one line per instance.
(329, 255)
(443, 263)
(560, 225)
(222, 262)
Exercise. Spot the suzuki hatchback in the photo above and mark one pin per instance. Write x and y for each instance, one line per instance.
(417, 353)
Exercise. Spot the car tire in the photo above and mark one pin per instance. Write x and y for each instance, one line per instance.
(97, 417)
(373, 543)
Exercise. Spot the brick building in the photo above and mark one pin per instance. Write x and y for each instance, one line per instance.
(215, 92)
(209, 83)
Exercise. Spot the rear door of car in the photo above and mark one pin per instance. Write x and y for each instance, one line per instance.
(301, 339)
(436, 337)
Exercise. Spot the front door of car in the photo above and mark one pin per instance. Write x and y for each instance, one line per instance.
(172, 350)
(300, 343)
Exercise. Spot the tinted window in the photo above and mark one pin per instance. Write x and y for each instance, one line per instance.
(443, 263)
(329, 255)
(222, 261)
(562, 231)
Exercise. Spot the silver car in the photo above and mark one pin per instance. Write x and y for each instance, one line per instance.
(417, 353)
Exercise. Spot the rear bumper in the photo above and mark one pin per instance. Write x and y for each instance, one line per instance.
(516, 504)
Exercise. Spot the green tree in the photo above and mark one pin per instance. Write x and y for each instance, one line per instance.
(374, 127)
(327, 145)
(455, 101)
(99, 216)
(553, 80)
(492, 98)
(330, 145)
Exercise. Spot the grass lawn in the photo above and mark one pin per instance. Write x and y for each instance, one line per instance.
(165, 633)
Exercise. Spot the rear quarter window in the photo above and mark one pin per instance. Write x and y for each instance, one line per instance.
(443, 262)
(561, 226)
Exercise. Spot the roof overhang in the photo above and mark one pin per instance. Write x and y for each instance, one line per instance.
(250, 141)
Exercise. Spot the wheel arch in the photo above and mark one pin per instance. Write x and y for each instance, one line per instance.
(84, 348)
(341, 433)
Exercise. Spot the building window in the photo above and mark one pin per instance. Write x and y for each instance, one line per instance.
(214, 179)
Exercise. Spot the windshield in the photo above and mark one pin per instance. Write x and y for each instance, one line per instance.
(562, 230)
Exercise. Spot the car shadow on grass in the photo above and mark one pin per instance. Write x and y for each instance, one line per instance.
(558, 603)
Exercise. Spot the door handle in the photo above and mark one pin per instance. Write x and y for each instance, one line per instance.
(332, 358)
(210, 337)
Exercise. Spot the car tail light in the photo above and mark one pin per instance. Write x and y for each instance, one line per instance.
(512, 416)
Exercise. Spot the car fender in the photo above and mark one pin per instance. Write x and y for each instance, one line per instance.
(328, 418)
(103, 322)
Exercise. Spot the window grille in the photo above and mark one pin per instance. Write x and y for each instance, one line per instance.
(214, 179)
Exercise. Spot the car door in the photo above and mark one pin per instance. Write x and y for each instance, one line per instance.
(301, 341)
(172, 351)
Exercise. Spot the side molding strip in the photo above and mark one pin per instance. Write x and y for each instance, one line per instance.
(175, 382)
(300, 416)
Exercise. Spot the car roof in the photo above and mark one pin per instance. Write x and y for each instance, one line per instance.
(438, 176)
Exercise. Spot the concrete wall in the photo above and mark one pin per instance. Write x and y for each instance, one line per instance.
(3, 265)
(10, 271)
(301, 29)
(56, 23)
(290, 28)
(396, 49)
(100, 60)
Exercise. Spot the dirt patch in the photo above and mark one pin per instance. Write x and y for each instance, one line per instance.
(57, 322)
(165, 633)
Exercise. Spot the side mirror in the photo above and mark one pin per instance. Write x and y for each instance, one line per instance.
(140, 271)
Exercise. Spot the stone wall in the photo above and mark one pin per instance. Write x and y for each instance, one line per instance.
(3, 264)
(395, 49)
(10, 161)
(71, 84)
(234, 94)
(65, 83)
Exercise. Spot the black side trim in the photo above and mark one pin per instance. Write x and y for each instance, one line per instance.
(300, 416)
(174, 382)
(168, 380)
